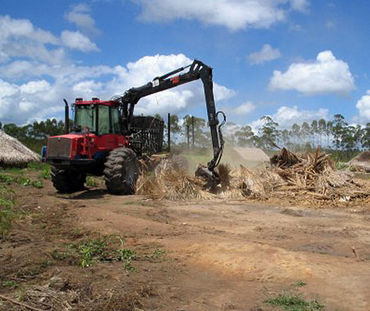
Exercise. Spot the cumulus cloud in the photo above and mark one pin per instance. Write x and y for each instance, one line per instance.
(176, 100)
(39, 98)
(233, 14)
(19, 38)
(300, 5)
(363, 106)
(324, 75)
(80, 16)
(244, 109)
(76, 40)
(266, 54)
(287, 116)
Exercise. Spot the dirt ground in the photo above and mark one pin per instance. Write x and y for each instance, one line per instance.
(192, 255)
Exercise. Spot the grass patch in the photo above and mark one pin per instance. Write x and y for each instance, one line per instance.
(20, 180)
(7, 214)
(107, 248)
(301, 284)
(38, 166)
(157, 253)
(291, 302)
(10, 284)
(91, 181)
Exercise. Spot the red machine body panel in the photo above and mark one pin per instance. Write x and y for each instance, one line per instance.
(85, 145)
(96, 102)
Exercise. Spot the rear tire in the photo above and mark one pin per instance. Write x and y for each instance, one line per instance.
(121, 171)
(67, 181)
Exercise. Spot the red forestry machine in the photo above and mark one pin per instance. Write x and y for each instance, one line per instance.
(107, 139)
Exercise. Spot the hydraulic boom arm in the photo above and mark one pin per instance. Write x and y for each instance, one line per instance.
(197, 70)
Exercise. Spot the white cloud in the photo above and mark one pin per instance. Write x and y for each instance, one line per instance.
(176, 100)
(325, 75)
(363, 106)
(267, 53)
(23, 28)
(330, 25)
(38, 99)
(300, 5)
(76, 40)
(80, 16)
(287, 116)
(233, 14)
(244, 109)
(19, 38)
(33, 87)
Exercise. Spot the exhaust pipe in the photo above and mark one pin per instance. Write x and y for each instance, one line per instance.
(66, 117)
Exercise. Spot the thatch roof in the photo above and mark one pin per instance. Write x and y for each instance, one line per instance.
(252, 154)
(14, 153)
(361, 162)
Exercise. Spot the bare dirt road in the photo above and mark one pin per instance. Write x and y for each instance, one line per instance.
(234, 255)
(204, 255)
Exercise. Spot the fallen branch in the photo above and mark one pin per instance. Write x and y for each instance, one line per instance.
(19, 303)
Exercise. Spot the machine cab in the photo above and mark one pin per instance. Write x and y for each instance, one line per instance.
(97, 117)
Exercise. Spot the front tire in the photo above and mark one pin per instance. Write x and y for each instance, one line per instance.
(67, 181)
(121, 171)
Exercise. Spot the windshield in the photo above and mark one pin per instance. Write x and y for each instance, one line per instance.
(85, 116)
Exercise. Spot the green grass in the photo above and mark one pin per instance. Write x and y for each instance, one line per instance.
(107, 248)
(291, 302)
(38, 166)
(7, 214)
(157, 253)
(91, 181)
(20, 179)
(301, 283)
(10, 283)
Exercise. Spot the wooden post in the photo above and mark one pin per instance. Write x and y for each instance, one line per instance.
(169, 132)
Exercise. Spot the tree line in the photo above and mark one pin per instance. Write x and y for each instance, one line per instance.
(335, 134)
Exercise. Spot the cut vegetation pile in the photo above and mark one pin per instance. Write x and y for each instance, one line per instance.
(169, 180)
(304, 178)
(314, 172)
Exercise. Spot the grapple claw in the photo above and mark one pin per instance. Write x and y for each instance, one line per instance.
(211, 177)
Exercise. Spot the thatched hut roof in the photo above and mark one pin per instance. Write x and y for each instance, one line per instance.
(252, 154)
(14, 153)
(361, 162)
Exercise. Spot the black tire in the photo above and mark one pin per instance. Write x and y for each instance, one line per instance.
(121, 171)
(67, 181)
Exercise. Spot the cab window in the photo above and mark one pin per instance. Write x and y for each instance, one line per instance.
(115, 120)
(103, 120)
(85, 117)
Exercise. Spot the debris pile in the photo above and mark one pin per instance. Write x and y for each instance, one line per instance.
(311, 171)
(303, 178)
(169, 180)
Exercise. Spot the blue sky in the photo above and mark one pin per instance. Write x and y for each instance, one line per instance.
(295, 60)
